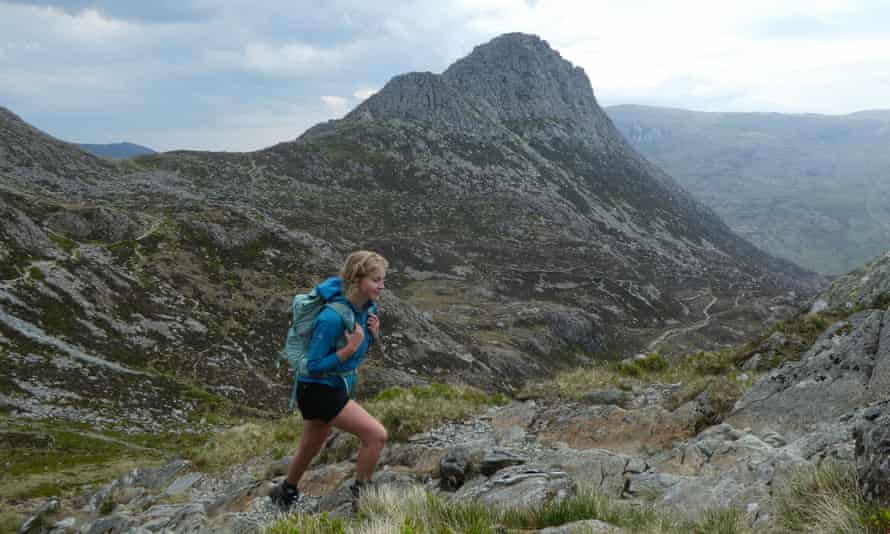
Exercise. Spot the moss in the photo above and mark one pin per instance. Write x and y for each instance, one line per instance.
(36, 274)
(17, 259)
(64, 243)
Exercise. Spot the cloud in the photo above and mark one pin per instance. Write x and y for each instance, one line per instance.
(334, 102)
(286, 59)
(108, 69)
(363, 92)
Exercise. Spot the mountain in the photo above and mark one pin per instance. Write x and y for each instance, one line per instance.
(525, 236)
(864, 286)
(116, 150)
(813, 189)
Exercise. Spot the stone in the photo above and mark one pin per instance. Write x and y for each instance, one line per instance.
(525, 485)
(589, 526)
(115, 524)
(616, 397)
(879, 384)
(873, 455)
(182, 484)
(826, 383)
(36, 522)
(454, 467)
(497, 459)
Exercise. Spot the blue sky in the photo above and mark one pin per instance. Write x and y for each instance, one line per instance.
(242, 75)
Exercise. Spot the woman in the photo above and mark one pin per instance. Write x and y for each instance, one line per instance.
(323, 396)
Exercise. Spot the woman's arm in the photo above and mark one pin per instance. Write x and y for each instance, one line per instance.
(326, 331)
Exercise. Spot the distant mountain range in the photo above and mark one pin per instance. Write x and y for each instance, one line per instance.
(117, 150)
(814, 189)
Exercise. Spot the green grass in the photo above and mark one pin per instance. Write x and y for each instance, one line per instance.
(827, 499)
(249, 440)
(64, 243)
(414, 511)
(714, 373)
(10, 521)
(67, 470)
(405, 412)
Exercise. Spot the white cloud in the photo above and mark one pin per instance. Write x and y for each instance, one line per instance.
(287, 59)
(334, 102)
(363, 92)
(242, 130)
(117, 73)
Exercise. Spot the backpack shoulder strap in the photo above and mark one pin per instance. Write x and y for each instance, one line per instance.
(345, 313)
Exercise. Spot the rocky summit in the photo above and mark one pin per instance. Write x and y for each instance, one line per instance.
(525, 237)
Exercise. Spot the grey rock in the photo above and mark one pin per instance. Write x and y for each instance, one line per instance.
(828, 381)
(600, 469)
(879, 384)
(873, 454)
(454, 467)
(182, 483)
(520, 486)
(36, 522)
(609, 396)
(497, 459)
(115, 524)
(589, 526)
(156, 478)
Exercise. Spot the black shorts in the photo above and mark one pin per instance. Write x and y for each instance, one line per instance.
(320, 401)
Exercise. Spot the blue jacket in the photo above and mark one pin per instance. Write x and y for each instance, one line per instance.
(327, 330)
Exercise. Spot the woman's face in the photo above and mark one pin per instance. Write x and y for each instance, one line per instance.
(373, 284)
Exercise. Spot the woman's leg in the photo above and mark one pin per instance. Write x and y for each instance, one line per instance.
(355, 420)
(315, 432)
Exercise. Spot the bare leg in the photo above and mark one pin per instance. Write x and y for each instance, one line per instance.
(315, 432)
(355, 420)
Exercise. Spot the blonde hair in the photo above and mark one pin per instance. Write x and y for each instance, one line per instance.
(358, 265)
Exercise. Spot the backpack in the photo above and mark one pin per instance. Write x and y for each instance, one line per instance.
(304, 310)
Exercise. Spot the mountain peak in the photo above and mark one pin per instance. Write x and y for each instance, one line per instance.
(521, 77)
(513, 77)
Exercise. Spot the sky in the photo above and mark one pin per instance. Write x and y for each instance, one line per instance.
(241, 75)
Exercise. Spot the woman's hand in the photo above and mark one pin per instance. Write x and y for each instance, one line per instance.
(374, 325)
(353, 341)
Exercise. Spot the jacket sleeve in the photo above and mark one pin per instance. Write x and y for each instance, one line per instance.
(328, 328)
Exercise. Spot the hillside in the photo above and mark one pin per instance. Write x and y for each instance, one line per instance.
(116, 150)
(809, 188)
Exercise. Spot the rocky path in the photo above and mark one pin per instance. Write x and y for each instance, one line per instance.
(686, 329)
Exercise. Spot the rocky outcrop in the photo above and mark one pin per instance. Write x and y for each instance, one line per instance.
(843, 370)
(860, 287)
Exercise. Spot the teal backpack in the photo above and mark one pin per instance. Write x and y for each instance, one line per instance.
(304, 309)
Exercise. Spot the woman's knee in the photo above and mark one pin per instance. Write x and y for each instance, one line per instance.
(376, 435)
